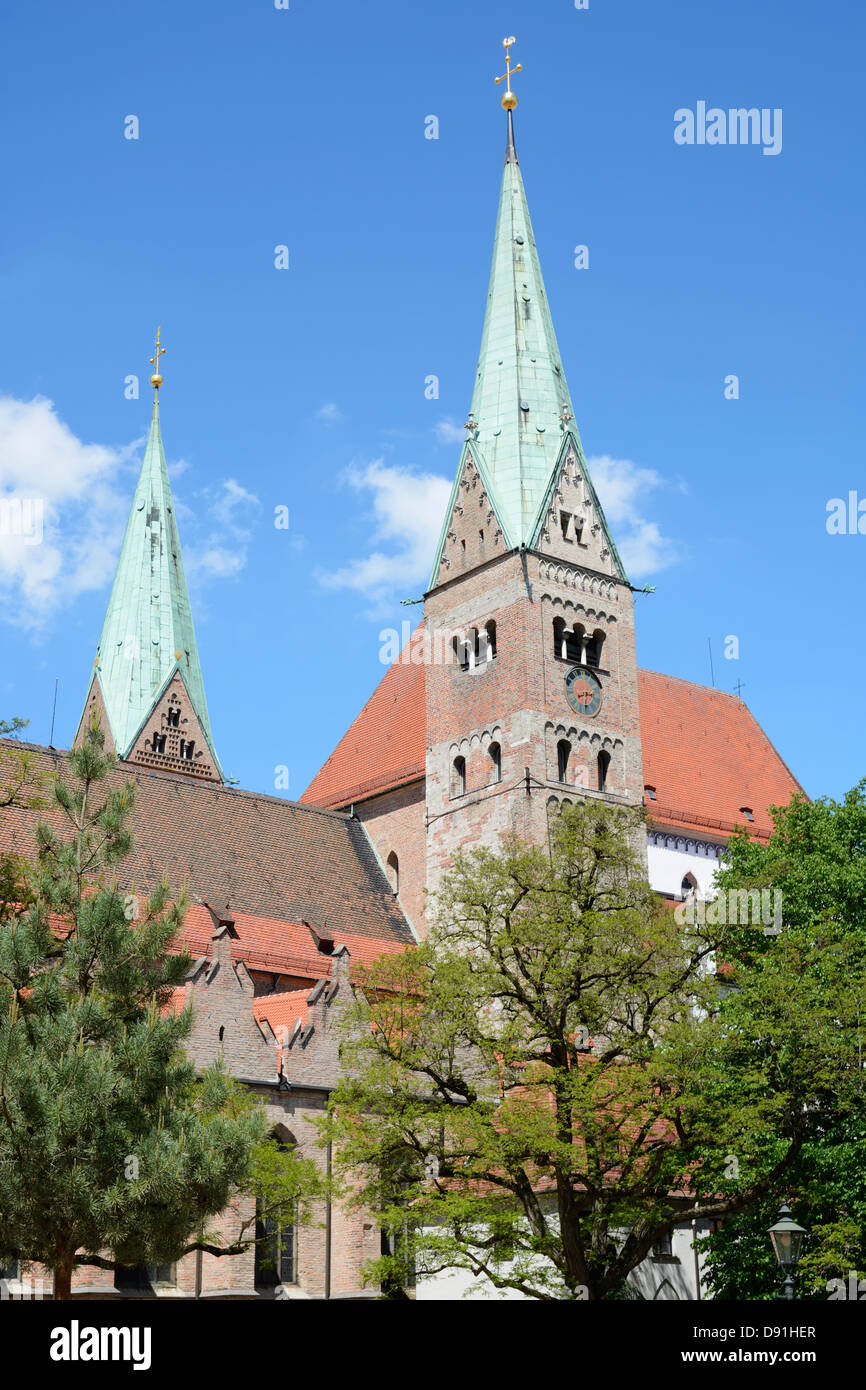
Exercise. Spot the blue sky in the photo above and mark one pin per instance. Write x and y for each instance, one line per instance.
(306, 387)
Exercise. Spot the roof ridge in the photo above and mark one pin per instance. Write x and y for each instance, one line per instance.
(161, 774)
(684, 680)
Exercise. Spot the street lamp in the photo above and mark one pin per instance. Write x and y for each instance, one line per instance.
(787, 1238)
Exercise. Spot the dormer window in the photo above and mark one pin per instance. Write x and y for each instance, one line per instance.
(173, 717)
(158, 742)
(187, 748)
(651, 793)
(747, 812)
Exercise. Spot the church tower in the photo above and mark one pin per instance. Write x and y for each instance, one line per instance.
(531, 692)
(147, 687)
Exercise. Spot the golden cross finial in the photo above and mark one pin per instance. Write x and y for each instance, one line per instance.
(509, 101)
(156, 379)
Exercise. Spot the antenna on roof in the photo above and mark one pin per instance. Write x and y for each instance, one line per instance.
(53, 712)
(712, 673)
(741, 685)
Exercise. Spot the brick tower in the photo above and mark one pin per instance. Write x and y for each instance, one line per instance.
(531, 687)
(147, 687)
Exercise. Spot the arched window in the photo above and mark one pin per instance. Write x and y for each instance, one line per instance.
(488, 641)
(574, 643)
(603, 765)
(458, 777)
(495, 752)
(276, 1239)
(563, 753)
(461, 651)
(394, 873)
(594, 645)
(688, 887)
(559, 638)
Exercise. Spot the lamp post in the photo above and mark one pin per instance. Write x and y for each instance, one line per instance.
(787, 1238)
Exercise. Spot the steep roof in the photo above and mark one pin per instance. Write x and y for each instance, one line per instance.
(521, 407)
(269, 944)
(704, 753)
(383, 748)
(707, 757)
(269, 859)
(148, 630)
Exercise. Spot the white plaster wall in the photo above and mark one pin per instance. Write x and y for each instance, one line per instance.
(665, 1279)
(668, 868)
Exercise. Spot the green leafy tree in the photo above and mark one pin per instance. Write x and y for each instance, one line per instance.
(816, 859)
(113, 1151)
(20, 781)
(538, 1093)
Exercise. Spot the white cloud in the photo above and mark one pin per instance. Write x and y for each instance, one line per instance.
(82, 493)
(449, 433)
(222, 554)
(623, 488)
(330, 411)
(408, 510)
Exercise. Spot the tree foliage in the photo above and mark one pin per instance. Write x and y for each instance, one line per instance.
(113, 1151)
(557, 1075)
(816, 858)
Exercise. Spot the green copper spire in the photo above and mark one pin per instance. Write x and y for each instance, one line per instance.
(148, 631)
(522, 421)
(521, 401)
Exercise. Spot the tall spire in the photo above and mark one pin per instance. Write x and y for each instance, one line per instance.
(522, 417)
(148, 640)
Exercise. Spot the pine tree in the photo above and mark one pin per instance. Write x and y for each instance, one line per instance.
(113, 1150)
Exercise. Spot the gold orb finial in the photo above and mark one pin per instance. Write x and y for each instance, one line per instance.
(156, 379)
(509, 100)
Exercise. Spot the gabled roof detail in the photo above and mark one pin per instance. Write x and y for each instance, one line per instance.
(148, 629)
(267, 864)
(571, 447)
(473, 454)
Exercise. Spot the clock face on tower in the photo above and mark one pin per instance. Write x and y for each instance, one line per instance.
(583, 691)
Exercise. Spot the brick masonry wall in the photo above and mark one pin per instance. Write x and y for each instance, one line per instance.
(222, 995)
(395, 823)
(519, 700)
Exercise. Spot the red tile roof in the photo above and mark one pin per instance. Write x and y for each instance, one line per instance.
(385, 746)
(272, 861)
(283, 948)
(282, 1010)
(703, 752)
(706, 757)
